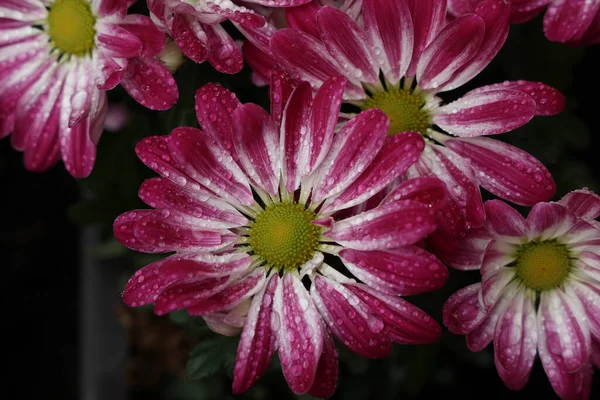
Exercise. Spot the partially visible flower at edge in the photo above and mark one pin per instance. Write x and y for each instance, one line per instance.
(249, 207)
(539, 291)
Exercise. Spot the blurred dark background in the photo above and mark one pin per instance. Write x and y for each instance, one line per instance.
(69, 337)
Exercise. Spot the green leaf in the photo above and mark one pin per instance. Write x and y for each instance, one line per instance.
(211, 356)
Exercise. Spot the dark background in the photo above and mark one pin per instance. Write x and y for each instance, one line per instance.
(52, 225)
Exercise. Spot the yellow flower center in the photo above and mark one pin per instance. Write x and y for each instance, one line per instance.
(543, 265)
(403, 108)
(71, 27)
(283, 235)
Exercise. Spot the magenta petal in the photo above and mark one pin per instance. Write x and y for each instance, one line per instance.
(567, 20)
(506, 171)
(209, 164)
(402, 271)
(387, 226)
(116, 8)
(119, 42)
(353, 149)
(257, 145)
(77, 149)
(457, 43)
(154, 153)
(123, 231)
(300, 336)
(187, 292)
(462, 7)
(211, 212)
(347, 43)
(428, 16)
(190, 37)
(280, 89)
(398, 153)
(486, 113)
(426, 189)
(589, 295)
(150, 84)
(257, 342)
(591, 35)
(389, 28)
(153, 40)
(462, 253)
(304, 18)
(583, 202)
(224, 55)
(111, 70)
(232, 295)
(327, 370)
(404, 322)
(259, 62)
(350, 319)
(550, 220)
(462, 311)
(215, 106)
(503, 220)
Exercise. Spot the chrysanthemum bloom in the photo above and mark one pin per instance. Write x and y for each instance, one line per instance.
(247, 204)
(539, 293)
(419, 56)
(195, 27)
(57, 58)
(574, 22)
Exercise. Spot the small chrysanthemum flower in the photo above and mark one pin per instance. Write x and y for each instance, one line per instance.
(195, 27)
(248, 205)
(574, 22)
(58, 57)
(539, 293)
(408, 44)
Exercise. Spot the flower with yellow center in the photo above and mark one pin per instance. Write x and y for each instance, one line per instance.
(540, 289)
(71, 27)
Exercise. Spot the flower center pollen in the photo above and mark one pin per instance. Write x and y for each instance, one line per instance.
(71, 26)
(403, 108)
(543, 265)
(283, 235)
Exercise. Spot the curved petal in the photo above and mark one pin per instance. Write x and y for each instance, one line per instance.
(119, 42)
(503, 220)
(150, 84)
(462, 311)
(462, 253)
(567, 20)
(428, 17)
(426, 189)
(589, 296)
(304, 18)
(224, 54)
(187, 32)
(327, 369)
(549, 220)
(153, 40)
(187, 292)
(215, 106)
(280, 90)
(583, 202)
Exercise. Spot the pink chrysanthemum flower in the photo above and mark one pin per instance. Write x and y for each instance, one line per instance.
(574, 22)
(195, 27)
(539, 293)
(408, 44)
(247, 206)
(57, 59)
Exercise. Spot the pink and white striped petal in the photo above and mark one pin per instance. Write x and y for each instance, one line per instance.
(300, 335)
(503, 220)
(583, 202)
(327, 369)
(350, 319)
(224, 55)
(428, 18)
(505, 170)
(77, 148)
(187, 292)
(495, 280)
(463, 253)
(589, 296)
(402, 271)
(462, 311)
(230, 322)
(280, 90)
(257, 342)
(153, 40)
(117, 41)
(487, 113)
(549, 221)
(154, 152)
(567, 20)
(110, 8)
(150, 84)
(187, 32)
(426, 189)
(215, 106)
(26, 11)
(385, 227)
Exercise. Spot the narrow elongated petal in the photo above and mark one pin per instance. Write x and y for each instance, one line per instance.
(327, 370)
(462, 311)
(190, 37)
(154, 152)
(583, 202)
(77, 149)
(486, 113)
(300, 335)
(118, 41)
(350, 319)
(426, 189)
(387, 226)
(589, 296)
(280, 89)
(186, 293)
(503, 220)
(403, 271)
(428, 17)
(506, 171)
(150, 84)
(215, 106)
(568, 20)
(224, 54)
(462, 253)
(257, 342)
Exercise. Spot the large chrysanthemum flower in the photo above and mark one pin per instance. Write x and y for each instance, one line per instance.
(574, 22)
(418, 55)
(247, 204)
(195, 27)
(540, 290)
(57, 58)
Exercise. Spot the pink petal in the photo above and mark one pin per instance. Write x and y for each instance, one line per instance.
(567, 20)
(462, 311)
(77, 149)
(428, 17)
(123, 231)
(229, 322)
(239, 14)
(457, 43)
(589, 296)
(403, 271)
(110, 70)
(461, 7)
(327, 369)
(387, 226)
(187, 292)
(153, 40)
(494, 283)
(549, 220)
(503, 220)
(486, 113)
(20, 10)
(506, 171)
(350, 319)
(231, 296)
(404, 322)
(115, 8)
(215, 106)
(259, 62)
(304, 18)
(583, 202)
(257, 342)
(209, 164)
(548, 100)
(352, 151)
(525, 10)
(498, 253)
(347, 44)
(300, 336)
(150, 84)
(591, 35)
(462, 253)
(308, 59)
(280, 89)
(190, 37)
(495, 15)
(389, 28)
(257, 145)
(208, 211)
(118, 41)
(398, 153)
(426, 189)
(224, 54)
(154, 152)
